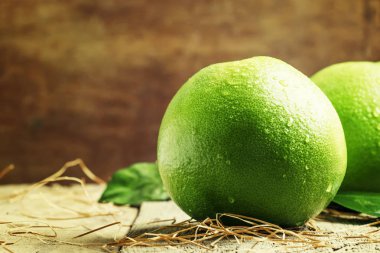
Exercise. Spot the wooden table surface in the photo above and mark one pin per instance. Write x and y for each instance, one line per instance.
(49, 218)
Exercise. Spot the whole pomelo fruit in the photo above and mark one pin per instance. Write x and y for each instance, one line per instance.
(354, 90)
(254, 137)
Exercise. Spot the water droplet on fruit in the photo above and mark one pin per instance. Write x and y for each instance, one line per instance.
(329, 188)
(307, 139)
(290, 122)
(304, 182)
(267, 131)
(231, 200)
(283, 83)
(307, 167)
(225, 93)
(376, 112)
(284, 175)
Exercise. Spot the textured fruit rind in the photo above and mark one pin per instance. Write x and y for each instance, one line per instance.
(254, 137)
(354, 90)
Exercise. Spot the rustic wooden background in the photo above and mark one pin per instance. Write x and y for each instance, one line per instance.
(92, 79)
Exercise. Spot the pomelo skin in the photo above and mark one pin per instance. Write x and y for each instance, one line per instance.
(354, 90)
(253, 137)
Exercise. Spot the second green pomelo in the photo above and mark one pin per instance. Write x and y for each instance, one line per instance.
(354, 90)
(254, 137)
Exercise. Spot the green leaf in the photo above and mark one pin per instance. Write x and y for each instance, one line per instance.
(135, 184)
(364, 202)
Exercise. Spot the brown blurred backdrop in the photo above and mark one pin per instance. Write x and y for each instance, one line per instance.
(92, 79)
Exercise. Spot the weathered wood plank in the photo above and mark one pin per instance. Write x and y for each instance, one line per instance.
(65, 210)
(154, 211)
(153, 215)
(53, 205)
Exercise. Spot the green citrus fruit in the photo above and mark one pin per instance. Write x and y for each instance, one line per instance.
(354, 90)
(254, 137)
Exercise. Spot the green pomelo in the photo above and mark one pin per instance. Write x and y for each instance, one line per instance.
(254, 137)
(354, 90)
